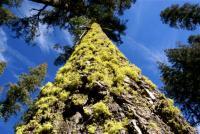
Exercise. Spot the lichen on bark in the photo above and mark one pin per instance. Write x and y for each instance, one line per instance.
(99, 91)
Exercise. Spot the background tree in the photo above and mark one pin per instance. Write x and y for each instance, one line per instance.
(182, 76)
(2, 66)
(5, 14)
(20, 93)
(185, 16)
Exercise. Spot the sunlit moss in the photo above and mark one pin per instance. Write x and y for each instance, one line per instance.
(170, 113)
(45, 102)
(169, 108)
(63, 96)
(79, 99)
(45, 128)
(127, 70)
(149, 82)
(117, 90)
(91, 129)
(114, 127)
(70, 80)
(32, 124)
(20, 129)
(133, 92)
(101, 108)
(97, 76)
(50, 89)
(87, 110)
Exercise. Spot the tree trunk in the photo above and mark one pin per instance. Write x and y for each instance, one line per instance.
(99, 91)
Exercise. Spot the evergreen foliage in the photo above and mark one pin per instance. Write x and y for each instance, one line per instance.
(5, 14)
(20, 93)
(182, 76)
(76, 16)
(2, 67)
(186, 16)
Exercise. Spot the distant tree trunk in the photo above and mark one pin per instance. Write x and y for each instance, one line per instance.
(99, 91)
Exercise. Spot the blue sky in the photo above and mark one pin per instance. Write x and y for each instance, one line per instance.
(146, 38)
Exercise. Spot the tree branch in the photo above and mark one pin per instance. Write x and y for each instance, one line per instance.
(40, 11)
(53, 3)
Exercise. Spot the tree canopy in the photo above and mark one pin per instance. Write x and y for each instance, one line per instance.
(186, 16)
(20, 93)
(75, 16)
(182, 76)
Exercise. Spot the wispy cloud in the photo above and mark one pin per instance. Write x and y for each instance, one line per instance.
(151, 55)
(44, 39)
(3, 44)
(5, 48)
(67, 36)
(16, 54)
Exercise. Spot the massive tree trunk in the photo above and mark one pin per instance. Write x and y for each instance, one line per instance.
(99, 91)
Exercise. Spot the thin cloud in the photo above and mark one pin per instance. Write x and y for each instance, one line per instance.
(67, 36)
(4, 48)
(44, 39)
(3, 44)
(16, 54)
(151, 55)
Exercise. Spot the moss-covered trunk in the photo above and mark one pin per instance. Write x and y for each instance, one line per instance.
(99, 91)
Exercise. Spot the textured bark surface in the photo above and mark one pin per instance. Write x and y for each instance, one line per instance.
(99, 91)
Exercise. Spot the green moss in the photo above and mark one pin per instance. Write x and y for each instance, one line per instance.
(20, 129)
(50, 89)
(65, 69)
(45, 128)
(153, 125)
(128, 71)
(46, 102)
(64, 95)
(169, 108)
(97, 76)
(79, 99)
(170, 114)
(117, 90)
(87, 110)
(100, 108)
(91, 129)
(32, 125)
(114, 127)
(71, 80)
(149, 82)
